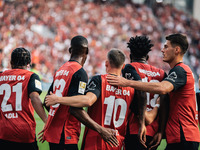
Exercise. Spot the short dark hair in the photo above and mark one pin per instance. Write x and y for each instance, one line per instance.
(178, 40)
(79, 46)
(116, 58)
(20, 57)
(139, 46)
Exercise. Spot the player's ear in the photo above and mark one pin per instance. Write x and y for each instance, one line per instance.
(106, 63)
(70, 50)
(177, 49)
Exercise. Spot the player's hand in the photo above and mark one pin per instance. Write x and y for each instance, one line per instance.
(41, 135)
(155, 141)
(109, 136)
(51, 99)
(142, 135)
(117, 80)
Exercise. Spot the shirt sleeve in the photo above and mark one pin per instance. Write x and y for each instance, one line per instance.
(95, 85)
(50, 89)
(130, 73)
(34, 84)
(177, 76)
(198, 100)
(78, 83)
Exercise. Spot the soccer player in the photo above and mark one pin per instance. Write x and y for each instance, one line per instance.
(138, 69)
(19, 96)
(63, 129)
(109, 104)
(182, 130)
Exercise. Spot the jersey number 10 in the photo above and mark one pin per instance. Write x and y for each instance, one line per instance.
(113, 104)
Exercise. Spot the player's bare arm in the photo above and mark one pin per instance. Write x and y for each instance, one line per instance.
(163, 87)
(84, 101)
(142, 101)
(108, 135)
(151, 115)
(37, 105)
(74, 101)
(163, 116)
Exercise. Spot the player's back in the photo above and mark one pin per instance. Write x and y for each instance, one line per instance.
(17, 121)
(110, 110)
(59, 117)
(145, 73)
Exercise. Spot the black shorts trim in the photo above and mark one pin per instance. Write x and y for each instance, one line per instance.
(184, 145)
(62, 146)
(10, 145)
(132, 142)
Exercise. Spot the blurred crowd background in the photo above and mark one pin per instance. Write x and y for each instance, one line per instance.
(46, 28)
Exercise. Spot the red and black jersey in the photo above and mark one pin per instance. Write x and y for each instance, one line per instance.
(183, 114)
(17, 121)
(146, 73)
(69, 80)
(110, 110)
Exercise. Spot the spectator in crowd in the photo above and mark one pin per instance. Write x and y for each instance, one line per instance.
(35, 69)
(104, 25)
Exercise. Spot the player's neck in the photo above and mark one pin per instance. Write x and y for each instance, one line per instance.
(20, 67)
(175, 62)
(78, 59)
(114, 71)
(141, 60)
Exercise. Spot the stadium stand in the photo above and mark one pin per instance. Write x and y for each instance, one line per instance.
(46, 27)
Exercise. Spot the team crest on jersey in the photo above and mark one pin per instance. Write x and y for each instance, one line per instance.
(38, 84)
(128, 76)
(82, 86)
(172, 76)
(91, 86)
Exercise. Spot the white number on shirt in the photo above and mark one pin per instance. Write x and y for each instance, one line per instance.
(152, 101)
(58, 87)
(113, 104)
(8, 89)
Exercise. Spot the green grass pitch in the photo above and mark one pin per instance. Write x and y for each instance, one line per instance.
(45, 145)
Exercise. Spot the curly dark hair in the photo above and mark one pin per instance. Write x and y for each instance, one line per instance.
(20, 57)
(139, 46)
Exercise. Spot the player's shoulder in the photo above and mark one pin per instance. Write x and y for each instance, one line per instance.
(97, 78)
(17, 72)
(179, 69)
(132, 65)
(81, 72)
(182, 66)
